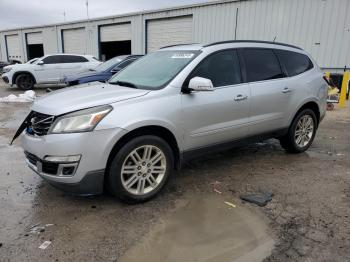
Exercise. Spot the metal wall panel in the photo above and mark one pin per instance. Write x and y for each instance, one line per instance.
(34, 38)
(168, 31)
(214, 23)
(321, 27)
(74, 41)
(118, 32)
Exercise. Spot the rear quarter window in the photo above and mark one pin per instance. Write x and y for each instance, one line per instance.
(293, 62)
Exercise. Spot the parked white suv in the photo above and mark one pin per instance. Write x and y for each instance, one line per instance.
(48, 69)
(169, 106)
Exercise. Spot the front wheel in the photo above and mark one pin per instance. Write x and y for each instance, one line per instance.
(140, 169)
(301, 133)
(25, 81)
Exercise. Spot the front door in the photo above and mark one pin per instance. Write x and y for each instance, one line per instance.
(48, 72)
(221, 115)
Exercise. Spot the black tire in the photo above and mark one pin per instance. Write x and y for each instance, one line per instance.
(288, 142)
(114, 180)
(25, 81)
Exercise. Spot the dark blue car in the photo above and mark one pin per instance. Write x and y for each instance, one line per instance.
(102, 72)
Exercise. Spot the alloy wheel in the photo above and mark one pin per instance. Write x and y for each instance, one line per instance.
(304, 131)
(143, 170)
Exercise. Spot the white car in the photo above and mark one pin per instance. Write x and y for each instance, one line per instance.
(48, 69)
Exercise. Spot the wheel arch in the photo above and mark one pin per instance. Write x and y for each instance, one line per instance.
(15, 75)
(154, 130)
(310, 105)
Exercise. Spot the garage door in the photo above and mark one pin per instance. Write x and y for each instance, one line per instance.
(34, 38)
(74, 41)
(13, 47)
(111, 33)
(169, 31)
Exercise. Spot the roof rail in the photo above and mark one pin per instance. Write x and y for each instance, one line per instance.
(252, 41)
(177, 45)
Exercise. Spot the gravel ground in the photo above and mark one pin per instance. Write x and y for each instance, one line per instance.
(308, 217)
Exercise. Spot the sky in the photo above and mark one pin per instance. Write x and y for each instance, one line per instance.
(23, 13)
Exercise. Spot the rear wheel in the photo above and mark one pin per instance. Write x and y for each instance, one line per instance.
(140, 169)
(301, 132)
(25, 81)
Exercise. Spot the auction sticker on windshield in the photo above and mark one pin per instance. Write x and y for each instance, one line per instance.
(186, 56)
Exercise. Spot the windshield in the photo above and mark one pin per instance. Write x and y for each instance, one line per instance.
(106, 65)
(155, 70)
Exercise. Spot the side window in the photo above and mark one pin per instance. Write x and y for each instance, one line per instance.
(222, 68)
(73, 59)
(293, 62)
(54, 59)
(261, 64)
(125, 63)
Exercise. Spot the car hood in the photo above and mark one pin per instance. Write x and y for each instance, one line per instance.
(84, 96)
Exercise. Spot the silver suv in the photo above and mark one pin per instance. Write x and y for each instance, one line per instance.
(174, 104)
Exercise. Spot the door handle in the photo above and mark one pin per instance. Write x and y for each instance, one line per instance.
(286, 90)
(240, 98)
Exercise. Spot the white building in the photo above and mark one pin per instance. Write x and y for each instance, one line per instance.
(321, 27)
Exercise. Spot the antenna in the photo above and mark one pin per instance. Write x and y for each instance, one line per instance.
(274, 38)
(64, 16)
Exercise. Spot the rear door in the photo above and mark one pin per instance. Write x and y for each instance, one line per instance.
(269, 89)
(219, 116)
(72, 64)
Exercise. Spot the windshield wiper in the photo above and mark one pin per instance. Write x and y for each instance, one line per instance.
(93, 70)
(124, 83)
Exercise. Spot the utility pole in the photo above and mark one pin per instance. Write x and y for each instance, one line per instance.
(87, 9)
(64, 16)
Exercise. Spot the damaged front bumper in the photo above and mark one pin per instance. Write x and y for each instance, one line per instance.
(72, 162)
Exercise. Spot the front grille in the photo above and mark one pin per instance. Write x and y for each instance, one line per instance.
(39, 123)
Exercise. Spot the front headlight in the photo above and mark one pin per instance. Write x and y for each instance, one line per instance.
(6, 69)
(80, 121)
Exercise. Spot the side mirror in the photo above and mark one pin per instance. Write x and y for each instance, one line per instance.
(40, 63)
(200, 84)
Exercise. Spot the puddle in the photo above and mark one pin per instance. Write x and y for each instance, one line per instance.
(204, 228)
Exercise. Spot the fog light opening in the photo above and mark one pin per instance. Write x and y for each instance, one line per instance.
(68, 170)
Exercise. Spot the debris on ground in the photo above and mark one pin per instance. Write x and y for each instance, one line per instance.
(45, 245)
(217, 191)
(27, 96)
(230, 204)
(38, 228)
(260, 199)
(215, 187)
